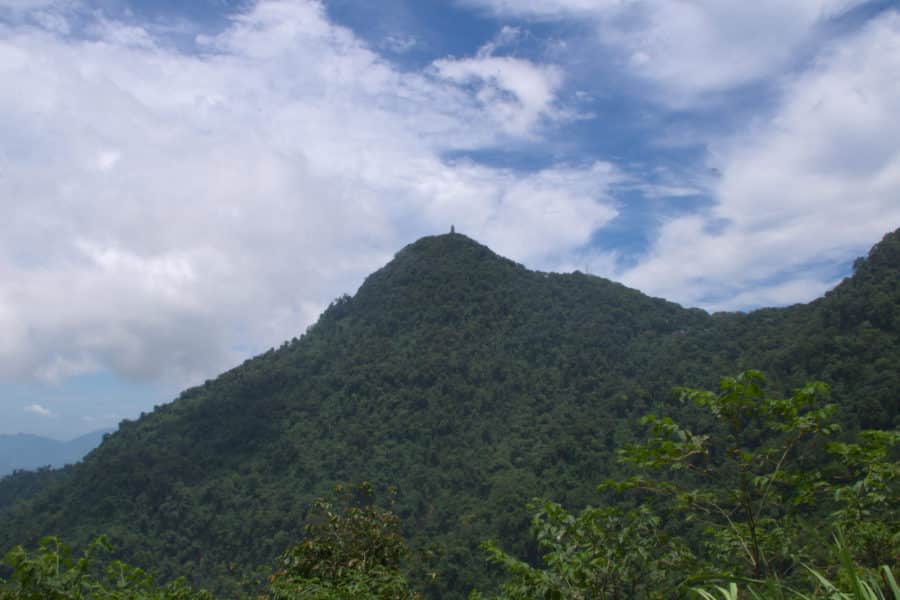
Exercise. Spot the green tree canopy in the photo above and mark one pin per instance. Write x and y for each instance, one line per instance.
(353, 549)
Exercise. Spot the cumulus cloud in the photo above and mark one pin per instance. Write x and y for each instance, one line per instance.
(26, 5)
(547, 8)
(38, 410)
(815, 184)
(514, 91)
(690, 49)
(517, 92)
(399, 44)
(168, 212)
(532, 218)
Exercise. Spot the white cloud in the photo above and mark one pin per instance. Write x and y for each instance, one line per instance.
(517, 92)
(694, 48)
(781, 294)
(38, 410)
(53, 21)
(514, 91)
(548, 8)
(818, 182)
(399, 44)
(26, 5)
(689, 49)
(533, 218)
(166, 213)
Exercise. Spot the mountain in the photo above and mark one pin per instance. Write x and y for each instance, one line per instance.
(466, 380)
(24, 451)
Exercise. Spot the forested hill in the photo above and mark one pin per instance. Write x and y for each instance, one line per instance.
(466, 380)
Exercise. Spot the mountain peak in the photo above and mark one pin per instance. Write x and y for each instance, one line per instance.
(448, 243)
(445, 259)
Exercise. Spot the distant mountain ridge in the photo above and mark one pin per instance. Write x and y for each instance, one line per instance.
(466, 380)
(29, 452)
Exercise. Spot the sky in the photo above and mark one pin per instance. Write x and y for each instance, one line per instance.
(184, 185)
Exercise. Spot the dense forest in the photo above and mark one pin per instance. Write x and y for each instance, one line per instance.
(473, 385)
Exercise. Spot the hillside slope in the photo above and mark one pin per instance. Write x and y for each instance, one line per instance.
(466, 380)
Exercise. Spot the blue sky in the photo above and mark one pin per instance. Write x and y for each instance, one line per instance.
(186, 184)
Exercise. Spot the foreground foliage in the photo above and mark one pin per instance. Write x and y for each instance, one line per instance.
(600, 553)
(352, 550)
(744, 501)
(53, 573)
(857, 584)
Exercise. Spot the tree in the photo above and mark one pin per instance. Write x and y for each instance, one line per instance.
(602, 552)
(741, 479)
(867, 494)
(755, 495)
(352, 550)
(53, 573)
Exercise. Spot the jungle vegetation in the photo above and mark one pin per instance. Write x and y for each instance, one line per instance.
(736, 505)
(473, 386)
